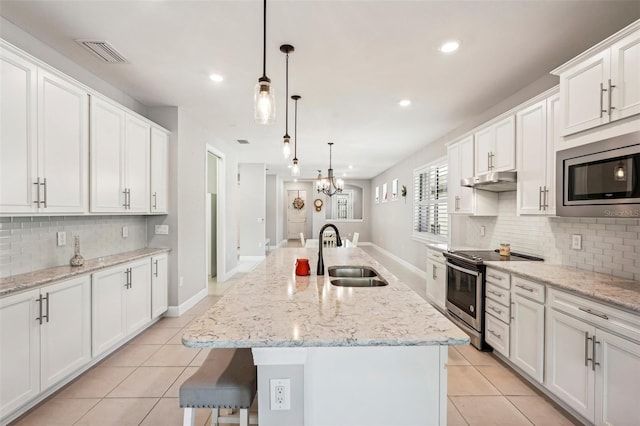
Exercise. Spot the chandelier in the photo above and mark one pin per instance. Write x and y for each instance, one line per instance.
(329, 185)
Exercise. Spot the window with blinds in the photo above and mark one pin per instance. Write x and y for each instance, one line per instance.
(430, 218)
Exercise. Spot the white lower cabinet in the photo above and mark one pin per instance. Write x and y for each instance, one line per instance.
(592, 370)
(159, 285)
(527, 336)
(45, 337)
(121, 300)
(436, 278)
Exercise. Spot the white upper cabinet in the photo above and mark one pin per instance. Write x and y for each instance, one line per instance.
(119, 160)
(159, 170)
(44, 141)
(107, 157)
(603, 84)
(136, 160)
(495, 147)
(464, 200)
(536, 135)
(18, 132)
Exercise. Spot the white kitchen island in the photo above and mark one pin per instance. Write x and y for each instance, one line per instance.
(354, 356)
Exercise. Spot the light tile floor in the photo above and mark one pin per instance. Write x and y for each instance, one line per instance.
(138, 384)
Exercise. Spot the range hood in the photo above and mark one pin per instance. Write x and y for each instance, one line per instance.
(492, 181)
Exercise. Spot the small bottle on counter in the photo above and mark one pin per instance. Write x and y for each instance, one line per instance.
(77, 259)
(505, 249)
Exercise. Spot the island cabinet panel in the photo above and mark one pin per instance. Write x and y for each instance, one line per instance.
(19, 350)
(527, 336)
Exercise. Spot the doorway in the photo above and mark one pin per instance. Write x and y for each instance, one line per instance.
(215, 268)
(212, 219)
(296, 213)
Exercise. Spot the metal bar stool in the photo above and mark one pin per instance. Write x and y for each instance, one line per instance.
(227, 379)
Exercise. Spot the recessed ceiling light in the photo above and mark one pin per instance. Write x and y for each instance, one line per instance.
(449, 46)
(289, 166)
(404, 103)
(216, 77)
(351, 166)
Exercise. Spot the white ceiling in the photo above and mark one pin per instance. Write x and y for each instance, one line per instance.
(353, 61)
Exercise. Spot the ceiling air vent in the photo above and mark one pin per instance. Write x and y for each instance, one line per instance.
(243, 142)
(103, 50)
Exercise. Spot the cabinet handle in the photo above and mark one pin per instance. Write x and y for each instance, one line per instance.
(594, 362)
(495, 293)
(496, 310)
(457, 203)
(495, 277)
(155, 201)
(589, 311)
(129, 198)
(611, 108)
(130, 278)
(539, 198)
(586, 349)
(45, 193)
(602, 90)
(39, 317)
(495, 334)
(156, 273)
(524, 287)
(546, 197)
(512, 310)
(47, 299)
(492, 157)
(125, 198)
(488, 161)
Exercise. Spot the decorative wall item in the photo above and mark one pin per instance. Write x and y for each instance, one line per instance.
(403, 192)
(394, 190)
(385, 193)
(318, 204)
(377, 195)
(298, 203)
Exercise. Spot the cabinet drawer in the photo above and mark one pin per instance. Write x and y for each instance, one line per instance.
(529, 289)
(499, 278)
(497, 310)
(497, 334)
(498, 294)
(606, 317)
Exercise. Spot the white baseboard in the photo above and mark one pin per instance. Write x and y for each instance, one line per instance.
(403, 262)
(176, 311)
(251, 258)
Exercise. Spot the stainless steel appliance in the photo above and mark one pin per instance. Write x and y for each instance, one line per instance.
(601, 179)
(466, 288)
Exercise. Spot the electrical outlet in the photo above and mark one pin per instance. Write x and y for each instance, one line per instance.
(162, 229)
(482, 231)
(125, 232)
(280, 394)
(576, 242)
(62, 238)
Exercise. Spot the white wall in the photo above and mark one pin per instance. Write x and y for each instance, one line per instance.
(252, 214)
(392, 222)
(273, 226)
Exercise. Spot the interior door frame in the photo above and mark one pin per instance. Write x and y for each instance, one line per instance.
(220, 216)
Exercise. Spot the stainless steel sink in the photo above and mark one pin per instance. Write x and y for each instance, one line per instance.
(359, 282)
(352, 272)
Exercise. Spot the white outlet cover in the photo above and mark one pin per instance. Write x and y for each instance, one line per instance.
(125, 232)
(280, 394)
(162, 229)
(576, 242)
(61, 238)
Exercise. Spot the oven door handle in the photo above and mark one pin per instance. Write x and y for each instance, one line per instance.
(466, 271)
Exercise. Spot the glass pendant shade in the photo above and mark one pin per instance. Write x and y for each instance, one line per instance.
(286, 148)
(295, 170)
(265, 102)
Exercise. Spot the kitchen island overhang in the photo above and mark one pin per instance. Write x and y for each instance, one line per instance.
(374, 356)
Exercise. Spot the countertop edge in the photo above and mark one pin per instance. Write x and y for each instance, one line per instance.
(334, 343)
(33, 280)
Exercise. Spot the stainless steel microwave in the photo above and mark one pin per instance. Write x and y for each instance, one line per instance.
(601, 179)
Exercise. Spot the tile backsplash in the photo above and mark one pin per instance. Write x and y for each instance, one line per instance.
(30, 243)
(610, 246)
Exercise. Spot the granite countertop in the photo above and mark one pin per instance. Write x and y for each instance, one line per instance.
(28, 281)
(615, 291)
(272, 307)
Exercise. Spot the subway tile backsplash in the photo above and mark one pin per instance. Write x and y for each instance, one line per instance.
(610, 246)
(29, 243)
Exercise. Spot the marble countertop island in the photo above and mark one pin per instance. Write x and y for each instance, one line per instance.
(272, 307)
(616, 291)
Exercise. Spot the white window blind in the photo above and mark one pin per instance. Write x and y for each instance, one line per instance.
(430, 216)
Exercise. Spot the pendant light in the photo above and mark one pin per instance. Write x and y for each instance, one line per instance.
(325, 185)
(264, 97)
(295, 170)
(286, 146)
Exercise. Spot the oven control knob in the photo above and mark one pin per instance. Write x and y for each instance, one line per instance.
(471, 308)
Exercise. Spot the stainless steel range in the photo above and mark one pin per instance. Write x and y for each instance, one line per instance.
(466, 288)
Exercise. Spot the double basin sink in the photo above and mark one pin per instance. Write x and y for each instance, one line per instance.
(355, 276)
